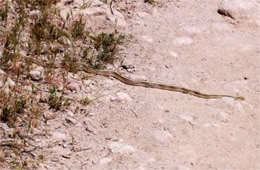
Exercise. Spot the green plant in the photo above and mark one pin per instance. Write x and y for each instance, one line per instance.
(4, 12)
(13, 109)
(70, 64)
(55, 99)
(78, 29)
(106, 46)
(85, 101)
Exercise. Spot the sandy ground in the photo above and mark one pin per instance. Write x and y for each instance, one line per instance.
(185, 43)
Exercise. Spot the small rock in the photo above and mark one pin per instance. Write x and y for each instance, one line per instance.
(43, 97)
(241, 9)
(191, 29)
(162, 136)
(182, 41)
(147, 39)
(173, 54)
(221, 27)
(181, 167)
(37, 73)
(49, 115)
(186, 117)
(105, 161)
(71, 120)
(229, 101)
(118, 147)
(91, 114)
(123, 97)
(70, 113)
(75, 87)
(9, 82)
(224, 116)
(1, 71)
(1, 84)
(58, 136)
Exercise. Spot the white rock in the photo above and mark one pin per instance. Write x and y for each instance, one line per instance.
(224, 116)
(97, 15)
(105, 161)
(147, 38)
(222, 27)
(70, 113)
(229, 101)
(37, 73)
(181, 167)
(74, 86)
(173, 54)
(162, 136)
(182, 41)
(186, 117)
(49, 115)
(191, 29)
(123, 97)
(241, 10)
(9, 82)
(59, 136)
(1, 71)
(118, 147)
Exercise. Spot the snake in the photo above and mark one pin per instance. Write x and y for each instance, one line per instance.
(146, 84)
(128, 81)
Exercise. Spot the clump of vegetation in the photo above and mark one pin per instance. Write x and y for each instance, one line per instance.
(33, 34)
(106, 46)
(85, 101)
(55, 100)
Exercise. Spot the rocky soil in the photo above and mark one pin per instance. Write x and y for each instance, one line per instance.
(211, 47)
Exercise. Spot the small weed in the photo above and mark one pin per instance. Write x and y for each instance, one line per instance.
(70, 64)
(106, 46)
(78, 29)
(4, 12)
(85, 101)
(55, 100)
(12, 110)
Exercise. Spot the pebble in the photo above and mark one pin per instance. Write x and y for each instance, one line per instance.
(37, 73)
(1, 72)
(191, 29)
(182, 41)
(241, 9)
(118, 147)
(147, 38)
(221, 27)
(162, 136)
(70, 120)
(123, 97)
(224, 116)
(105, 161)
(173, 54)
(74, 87)
(9, 82)
(229, 101)
(186, 117)
(58, 136)
(49, 115)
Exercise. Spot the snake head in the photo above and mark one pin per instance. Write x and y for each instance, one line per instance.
(240, 98)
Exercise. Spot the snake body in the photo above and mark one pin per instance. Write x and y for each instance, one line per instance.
(156, 85)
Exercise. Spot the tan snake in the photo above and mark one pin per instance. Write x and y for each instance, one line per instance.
(128, 81)
(155, 85)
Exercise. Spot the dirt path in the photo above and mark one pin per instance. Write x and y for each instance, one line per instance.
(185, 43)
